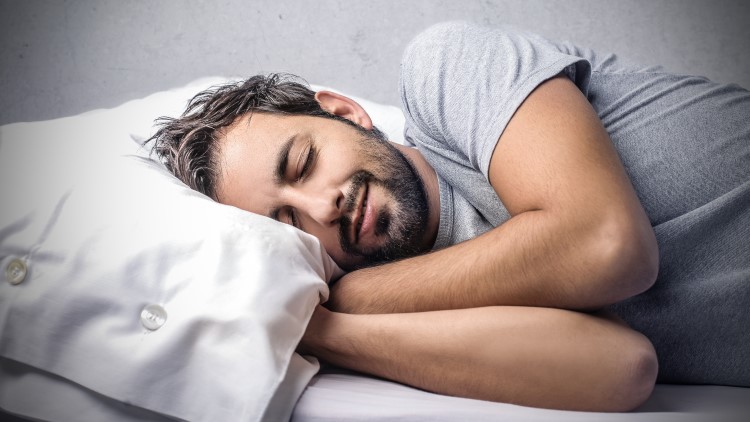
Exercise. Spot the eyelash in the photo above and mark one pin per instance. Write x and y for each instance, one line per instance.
(308, 163)
(311, 154)
(293, 218)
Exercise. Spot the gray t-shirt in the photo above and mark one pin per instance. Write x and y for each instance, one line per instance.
(684, 141)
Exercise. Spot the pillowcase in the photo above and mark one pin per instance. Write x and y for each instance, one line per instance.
(121, 281)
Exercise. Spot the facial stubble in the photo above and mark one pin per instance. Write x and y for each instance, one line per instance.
(404, 220)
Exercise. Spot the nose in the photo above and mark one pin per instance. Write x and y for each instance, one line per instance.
(323, 206)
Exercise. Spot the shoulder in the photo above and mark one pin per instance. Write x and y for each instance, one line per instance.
(452, 36)
(444, 53)
(460, 50)
(437, 35)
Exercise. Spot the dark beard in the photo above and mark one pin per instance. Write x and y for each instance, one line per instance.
(405, 223)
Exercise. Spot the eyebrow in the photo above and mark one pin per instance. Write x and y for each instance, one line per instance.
(282, 160)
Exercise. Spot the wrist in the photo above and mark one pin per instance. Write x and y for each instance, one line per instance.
(327, 335)
(344, 295)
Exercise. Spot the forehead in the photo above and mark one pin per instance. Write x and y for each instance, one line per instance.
(266, 132)
(258, 131)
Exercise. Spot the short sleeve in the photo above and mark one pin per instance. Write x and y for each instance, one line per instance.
(461, 84)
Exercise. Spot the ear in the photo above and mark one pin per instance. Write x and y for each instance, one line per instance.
(343, 106)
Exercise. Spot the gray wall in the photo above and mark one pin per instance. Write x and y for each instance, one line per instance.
(62, 58)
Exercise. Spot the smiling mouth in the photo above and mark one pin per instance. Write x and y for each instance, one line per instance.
(359, 215)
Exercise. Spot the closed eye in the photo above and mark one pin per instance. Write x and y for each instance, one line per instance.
(309, 159)
(293, 218)
(286, 215)
(306, 160)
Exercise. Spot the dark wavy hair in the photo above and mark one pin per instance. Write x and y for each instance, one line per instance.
(187, 144)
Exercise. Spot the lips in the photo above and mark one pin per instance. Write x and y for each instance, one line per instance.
(366, 222)
(360, 216)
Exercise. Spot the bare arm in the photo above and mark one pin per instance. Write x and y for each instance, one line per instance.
(530, 356)
(578, 237)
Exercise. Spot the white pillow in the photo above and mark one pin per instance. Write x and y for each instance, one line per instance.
(110, 240)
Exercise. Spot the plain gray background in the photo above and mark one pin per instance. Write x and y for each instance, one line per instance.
(61, 58)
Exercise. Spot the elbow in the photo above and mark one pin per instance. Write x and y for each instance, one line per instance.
(628, 258)
(640, 367)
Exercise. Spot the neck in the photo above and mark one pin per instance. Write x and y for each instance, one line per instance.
(432, 189)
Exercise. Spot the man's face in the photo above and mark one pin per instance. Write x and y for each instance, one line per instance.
(355, 192)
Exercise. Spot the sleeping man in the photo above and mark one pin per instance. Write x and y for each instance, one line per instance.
(563, 220)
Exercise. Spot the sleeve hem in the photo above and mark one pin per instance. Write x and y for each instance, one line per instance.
(517, 97)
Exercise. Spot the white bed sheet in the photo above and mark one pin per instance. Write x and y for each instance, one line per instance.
(339, 395)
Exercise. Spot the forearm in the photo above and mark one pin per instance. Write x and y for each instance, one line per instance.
(578, 239)
(530, 356)
(534, 259)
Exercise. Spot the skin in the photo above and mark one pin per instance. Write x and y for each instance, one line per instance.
(317, 202)
(578, 239)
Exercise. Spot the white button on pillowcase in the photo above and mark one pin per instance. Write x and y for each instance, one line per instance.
(15, 271)
(153, 317)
